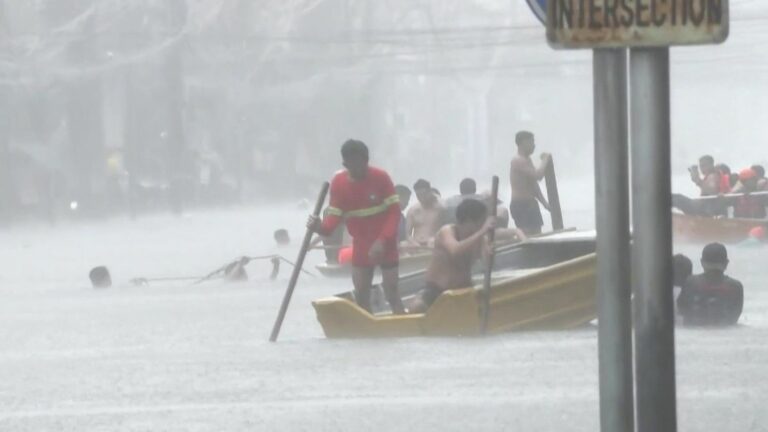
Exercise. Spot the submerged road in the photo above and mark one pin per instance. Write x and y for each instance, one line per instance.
(169, 357)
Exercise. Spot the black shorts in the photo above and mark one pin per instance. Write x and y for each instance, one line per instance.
(527, 214)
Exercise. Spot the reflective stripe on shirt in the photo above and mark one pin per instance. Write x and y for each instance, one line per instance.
(373, 211)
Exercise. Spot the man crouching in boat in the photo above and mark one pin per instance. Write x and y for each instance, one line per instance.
(365, 198)
(457, 247)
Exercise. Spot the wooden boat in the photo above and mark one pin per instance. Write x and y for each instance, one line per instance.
(541, 284)
(701, 229)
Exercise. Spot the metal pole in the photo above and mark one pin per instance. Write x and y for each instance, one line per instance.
(652, 222)
(613, 253)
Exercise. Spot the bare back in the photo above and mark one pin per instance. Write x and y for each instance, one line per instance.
(445, 271)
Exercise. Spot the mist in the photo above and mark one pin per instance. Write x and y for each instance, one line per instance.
(127, 107)
(165, 138)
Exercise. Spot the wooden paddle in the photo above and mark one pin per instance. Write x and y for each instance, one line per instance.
(485, 311)
(553, 196)
(298, 266)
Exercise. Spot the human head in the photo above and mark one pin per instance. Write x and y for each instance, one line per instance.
(403, 195)
(714, 257)
(468, 187)
(525, 142)
(682, 268)
(748, 178)
(354, 155)
(423, 191)
(471, 213)
(706, 164)
(723, 169)
(100, 277)
(281, 237)
(759, 170)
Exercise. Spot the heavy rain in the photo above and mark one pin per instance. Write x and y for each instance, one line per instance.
(159, 161)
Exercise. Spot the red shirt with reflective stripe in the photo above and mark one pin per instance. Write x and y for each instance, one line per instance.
(368, 206)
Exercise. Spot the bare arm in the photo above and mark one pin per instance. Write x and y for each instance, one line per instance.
(455, 247)
(410, 219)
(530, 171)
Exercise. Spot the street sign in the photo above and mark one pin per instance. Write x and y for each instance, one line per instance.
(635, 23)
(539, 8)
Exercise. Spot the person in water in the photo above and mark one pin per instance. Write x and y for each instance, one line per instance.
(365, 199)
(423, 218)
(282, 238)
(711, 298)
(457, 247)
(682, 268)
(524, 180)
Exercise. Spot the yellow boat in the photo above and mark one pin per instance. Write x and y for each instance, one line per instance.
(559, 295)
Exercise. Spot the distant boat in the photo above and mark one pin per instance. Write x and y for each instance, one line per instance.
(703, 229)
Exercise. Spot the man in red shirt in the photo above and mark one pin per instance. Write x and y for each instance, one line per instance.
(365, 198)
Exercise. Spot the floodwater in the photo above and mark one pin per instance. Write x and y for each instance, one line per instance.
(174, 357)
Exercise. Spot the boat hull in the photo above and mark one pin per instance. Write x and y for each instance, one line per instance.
(699, 229)
(557, 297)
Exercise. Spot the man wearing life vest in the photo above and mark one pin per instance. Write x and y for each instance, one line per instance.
(711, 298)
(365, 198)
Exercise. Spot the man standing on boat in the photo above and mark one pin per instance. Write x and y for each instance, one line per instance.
(365, 198)
(524, 179)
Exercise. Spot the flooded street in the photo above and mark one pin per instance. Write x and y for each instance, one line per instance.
(196, 358)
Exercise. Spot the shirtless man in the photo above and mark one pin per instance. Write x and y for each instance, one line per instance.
(705, 176)
(423, 219)
(524, 179)
(708, 179)
(457, 247)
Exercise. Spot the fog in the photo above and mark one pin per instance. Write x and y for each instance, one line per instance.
(135, 106)
(164, 138)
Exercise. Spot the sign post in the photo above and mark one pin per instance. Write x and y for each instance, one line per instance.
(613, 253)
(652, 223)
(648, 27)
